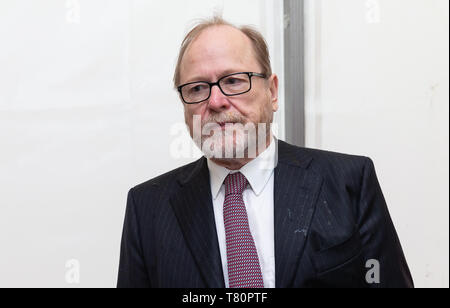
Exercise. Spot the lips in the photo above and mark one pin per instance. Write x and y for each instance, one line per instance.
(225, 123)
(222, 125)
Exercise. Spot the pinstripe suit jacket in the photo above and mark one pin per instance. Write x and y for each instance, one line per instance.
(330, 219)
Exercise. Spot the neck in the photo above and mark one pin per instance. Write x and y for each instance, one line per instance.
(238, 163)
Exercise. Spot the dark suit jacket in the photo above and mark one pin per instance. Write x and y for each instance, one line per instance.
(330, 219)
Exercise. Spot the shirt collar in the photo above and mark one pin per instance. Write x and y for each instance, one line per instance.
(257, 172)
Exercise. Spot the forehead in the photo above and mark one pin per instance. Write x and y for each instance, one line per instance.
(218, 50)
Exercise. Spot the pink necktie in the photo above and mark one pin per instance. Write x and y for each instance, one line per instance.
(244, 270)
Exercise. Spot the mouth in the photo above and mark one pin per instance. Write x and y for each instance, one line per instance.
(222, 124)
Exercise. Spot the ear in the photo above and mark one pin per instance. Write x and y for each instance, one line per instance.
(273, 87)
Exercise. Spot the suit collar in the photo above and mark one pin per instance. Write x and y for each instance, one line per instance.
(292, 155)
(284, 153)
(257, 172)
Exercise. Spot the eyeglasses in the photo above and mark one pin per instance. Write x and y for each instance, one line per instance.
(230, 85)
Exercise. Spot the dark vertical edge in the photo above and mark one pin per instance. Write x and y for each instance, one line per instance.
(294, 72)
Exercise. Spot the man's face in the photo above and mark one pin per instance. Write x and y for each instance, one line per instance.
(219, 51)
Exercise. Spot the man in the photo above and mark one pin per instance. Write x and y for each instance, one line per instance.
(276, 216)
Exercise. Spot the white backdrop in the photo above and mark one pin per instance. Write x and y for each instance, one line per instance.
(377, 85)
(87, 110)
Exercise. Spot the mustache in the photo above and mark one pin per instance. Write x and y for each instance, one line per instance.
(224, 118)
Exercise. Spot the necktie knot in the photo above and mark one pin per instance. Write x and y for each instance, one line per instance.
(235, 184)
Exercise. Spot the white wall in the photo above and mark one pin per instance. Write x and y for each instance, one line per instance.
(87, 111)
(377, 85)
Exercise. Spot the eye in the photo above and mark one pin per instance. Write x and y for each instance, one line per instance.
(197, 88)
(233, 81)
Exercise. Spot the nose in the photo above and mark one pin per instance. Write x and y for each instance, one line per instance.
(218, 101)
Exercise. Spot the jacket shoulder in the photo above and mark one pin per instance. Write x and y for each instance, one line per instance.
(322, 161)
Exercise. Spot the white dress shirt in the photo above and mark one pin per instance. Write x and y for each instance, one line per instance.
(259, 202)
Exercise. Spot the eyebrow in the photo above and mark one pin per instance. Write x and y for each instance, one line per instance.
(200, 78)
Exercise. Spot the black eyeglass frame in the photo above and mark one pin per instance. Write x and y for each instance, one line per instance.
(212, 84)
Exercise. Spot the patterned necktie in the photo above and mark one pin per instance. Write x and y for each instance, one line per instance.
(244, 270)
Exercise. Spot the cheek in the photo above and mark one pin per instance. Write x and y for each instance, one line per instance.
(193, 110)
(251, 106)
(190, 111)
(188, 116)
(261, 108)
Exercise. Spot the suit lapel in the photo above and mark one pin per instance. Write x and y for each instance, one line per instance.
(296, 190)
(193, 208)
